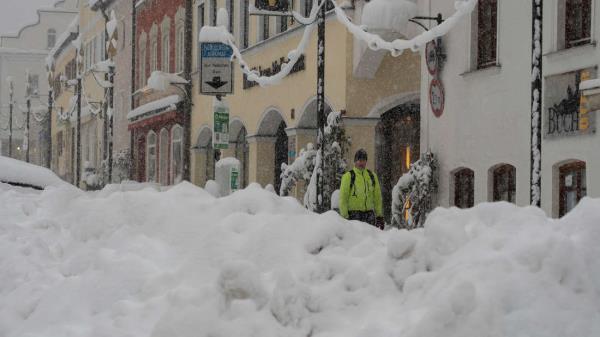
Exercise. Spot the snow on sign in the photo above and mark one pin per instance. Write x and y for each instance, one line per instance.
(431, 58)
(216, 69)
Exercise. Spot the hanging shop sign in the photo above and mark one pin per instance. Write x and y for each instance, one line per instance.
(234, 179)
(274, 69)
(216, 69)
(221, 127)
(568, 112)
(436, 97)
(272, 5)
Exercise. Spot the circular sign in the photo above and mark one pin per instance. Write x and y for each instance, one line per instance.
(436, 97)
(431, 57)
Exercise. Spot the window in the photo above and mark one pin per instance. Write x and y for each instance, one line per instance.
(154, 56)
(230, 11)
(180, 49)
(464, 188)
(34, 83)
(142, 60)
(213, 12)
(504, 183)
(572, 186)
(200, 16)
(282, 24)
(51, 38)
(245, 24)
(487, 34)
(177, 154)
(163, 157)
(307, 7)
(165, 51)
(264, 27)
(151, 157)
(578, 22)
(59, 143)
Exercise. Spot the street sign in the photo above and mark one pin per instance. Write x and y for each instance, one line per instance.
(431, 57)
(272, 5)
(216, 69)
(221, 127)
(235, 174)
(436, 97)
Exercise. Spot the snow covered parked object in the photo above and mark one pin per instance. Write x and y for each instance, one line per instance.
(182, 263)
(213, 188)
(19, 173)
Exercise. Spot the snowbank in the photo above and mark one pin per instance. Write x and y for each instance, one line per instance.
(20, 172)
(183, 263)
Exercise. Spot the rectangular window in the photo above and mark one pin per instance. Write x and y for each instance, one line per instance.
(142, 67)
(487, 33)
(245, 24)
(282, 24)
(35, 84)
(213, 12)
(59, 141)
(307, 7)
(230, 11)
(200, 17)
(165, 52)
(578, 22)
(264, 27)
(464, 188)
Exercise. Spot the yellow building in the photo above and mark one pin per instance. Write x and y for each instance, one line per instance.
(377, 94)
(62, 61)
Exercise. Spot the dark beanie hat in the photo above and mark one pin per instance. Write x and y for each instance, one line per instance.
(361, 154)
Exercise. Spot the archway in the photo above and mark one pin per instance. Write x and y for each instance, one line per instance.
(273, 148)
(397, 145)
(206, 156)
(241, 148)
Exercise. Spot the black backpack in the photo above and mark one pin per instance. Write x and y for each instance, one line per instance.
(353, 178)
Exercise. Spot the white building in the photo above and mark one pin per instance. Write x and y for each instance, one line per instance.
(27, 51)
(482, 137)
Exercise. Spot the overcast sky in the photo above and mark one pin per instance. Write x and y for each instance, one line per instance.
(15, 14)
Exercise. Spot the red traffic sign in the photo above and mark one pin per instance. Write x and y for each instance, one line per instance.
(436, 97)
(431, 57)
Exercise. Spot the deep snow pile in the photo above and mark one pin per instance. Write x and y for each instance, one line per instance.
(182, 263)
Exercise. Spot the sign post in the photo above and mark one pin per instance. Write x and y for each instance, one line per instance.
(216, 69)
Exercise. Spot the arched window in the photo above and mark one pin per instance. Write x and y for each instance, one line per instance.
(154, 56)
(176, 154)
(503, 180)
(180, 38)
(165, 51)
(142, 61)
(163, 157)
(464, 188)
(51, 38)
(151, 157)
(572, 185)
(242, 152)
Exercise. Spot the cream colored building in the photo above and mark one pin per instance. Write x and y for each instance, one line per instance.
(270, 125)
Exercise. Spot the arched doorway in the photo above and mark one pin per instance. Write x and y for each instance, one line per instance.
(397, 145)
(207, 156)
(241, 148)
(281, 153)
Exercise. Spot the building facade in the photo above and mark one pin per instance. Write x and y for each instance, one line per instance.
(482, 138)
(159, 120)
(377, 94)
(24, 52)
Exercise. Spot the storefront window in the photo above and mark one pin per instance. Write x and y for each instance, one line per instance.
(572, 186)
(151, 157)
(504, 183)
(464, 188)
(177, 154)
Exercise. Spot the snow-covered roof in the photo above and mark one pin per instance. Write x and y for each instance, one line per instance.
(14, 171)
(62, 39)
(160, 105)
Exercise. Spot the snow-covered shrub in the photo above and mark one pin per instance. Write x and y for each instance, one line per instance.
(300, 169)
(121, 165)
(93, 180)
(412, 195)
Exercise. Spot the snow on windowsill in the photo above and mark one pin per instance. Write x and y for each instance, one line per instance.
(569, 52)
(490, 70)
(167, 103)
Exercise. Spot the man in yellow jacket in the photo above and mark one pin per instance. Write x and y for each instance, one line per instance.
(360, 193)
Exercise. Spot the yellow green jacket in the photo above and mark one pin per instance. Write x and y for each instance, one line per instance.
(364, 196)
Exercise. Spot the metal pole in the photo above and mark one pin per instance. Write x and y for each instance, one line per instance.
(10, 116)
(321, 103)
(111, 91)
(49, 136)
(536, 105)
(78, 159)
(187, 106)
(27, 127)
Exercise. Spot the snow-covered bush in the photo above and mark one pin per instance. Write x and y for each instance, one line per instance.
(412, 195)
(93, 181)
(306, 167)
(121, 165)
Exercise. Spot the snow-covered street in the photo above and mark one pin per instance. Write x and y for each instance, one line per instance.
(134, 261)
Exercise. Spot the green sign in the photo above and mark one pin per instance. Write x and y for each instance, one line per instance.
(221, 128)
(235, 184)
